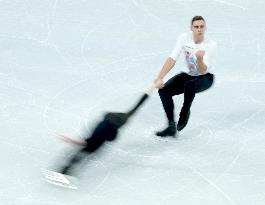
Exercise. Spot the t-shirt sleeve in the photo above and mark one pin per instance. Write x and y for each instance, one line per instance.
(178, 47)
(209, 55)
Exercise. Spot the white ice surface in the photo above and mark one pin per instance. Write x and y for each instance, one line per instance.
(63, 63)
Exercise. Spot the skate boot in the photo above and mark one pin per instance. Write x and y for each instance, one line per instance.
(183, 119)
(169, 131)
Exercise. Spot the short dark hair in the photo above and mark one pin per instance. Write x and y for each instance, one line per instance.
(197, 18)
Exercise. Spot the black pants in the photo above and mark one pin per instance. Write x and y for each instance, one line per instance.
(103, 132)
(183, 83)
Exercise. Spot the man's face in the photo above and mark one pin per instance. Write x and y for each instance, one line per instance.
(198, 28)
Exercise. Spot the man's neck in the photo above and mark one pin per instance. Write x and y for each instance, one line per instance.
(198, 40)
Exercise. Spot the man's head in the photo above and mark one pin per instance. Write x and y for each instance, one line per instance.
(198, 27)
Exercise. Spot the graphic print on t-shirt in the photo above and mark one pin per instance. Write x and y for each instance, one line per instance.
(190, 60)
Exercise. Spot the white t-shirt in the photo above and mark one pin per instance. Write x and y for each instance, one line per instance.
(186, 45)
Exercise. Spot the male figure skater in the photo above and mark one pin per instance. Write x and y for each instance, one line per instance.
(197, 50)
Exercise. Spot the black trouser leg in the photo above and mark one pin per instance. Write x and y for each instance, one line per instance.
(103, 132)
(81, 155)
(173, 86)
(74, 160)
(196, 85)
(167, 103)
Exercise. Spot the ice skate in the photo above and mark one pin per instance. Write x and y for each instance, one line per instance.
(170, 131)
(59, 179)
(183, 119)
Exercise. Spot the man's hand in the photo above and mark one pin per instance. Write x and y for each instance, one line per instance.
(201, 65)
(199, 54)
(159, 83)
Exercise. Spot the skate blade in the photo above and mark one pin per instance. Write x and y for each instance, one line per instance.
(168, 138)
(61, 184)
(55, 176)
(49, 172)
(57, 179)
